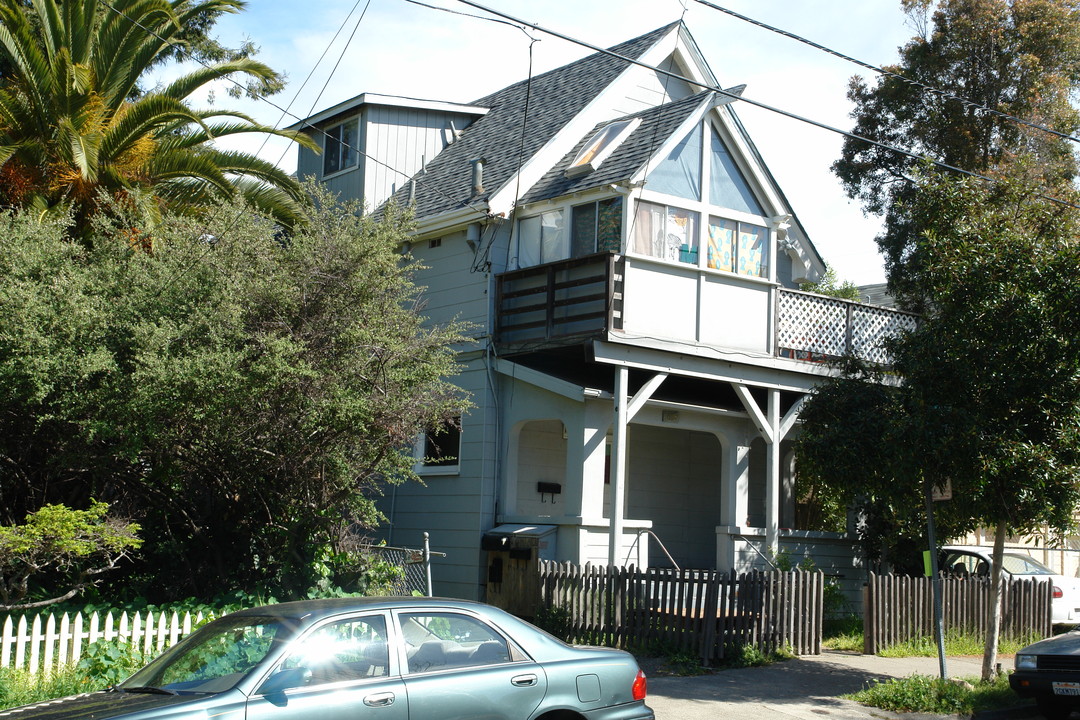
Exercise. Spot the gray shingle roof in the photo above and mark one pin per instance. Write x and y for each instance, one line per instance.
(657, 124)
(554, 98)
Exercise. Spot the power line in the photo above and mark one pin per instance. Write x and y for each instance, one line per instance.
(764, 106)
(882, 71)
(285, 111)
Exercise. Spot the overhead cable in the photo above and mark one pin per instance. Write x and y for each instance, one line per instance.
(742, 98)
(888, 73)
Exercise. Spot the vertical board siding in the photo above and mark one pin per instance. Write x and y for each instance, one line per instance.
(706, 613)
(40, 645)
(899, 608)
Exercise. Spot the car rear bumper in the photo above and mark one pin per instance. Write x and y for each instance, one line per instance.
(627, 711)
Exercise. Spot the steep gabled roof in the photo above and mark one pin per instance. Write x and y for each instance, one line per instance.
(657, 124)
(503, 137)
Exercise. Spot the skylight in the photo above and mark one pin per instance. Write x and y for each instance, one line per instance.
(600, 146)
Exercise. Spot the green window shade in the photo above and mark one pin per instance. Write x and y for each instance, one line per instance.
(583, 230)
(609, 225)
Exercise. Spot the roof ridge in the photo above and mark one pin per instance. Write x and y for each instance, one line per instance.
(624, 46)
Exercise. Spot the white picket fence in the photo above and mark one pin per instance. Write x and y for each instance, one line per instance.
(46, 643)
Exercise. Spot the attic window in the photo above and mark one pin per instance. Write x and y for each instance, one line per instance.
(600, 146)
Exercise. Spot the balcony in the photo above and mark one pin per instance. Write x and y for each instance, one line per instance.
(571, 301)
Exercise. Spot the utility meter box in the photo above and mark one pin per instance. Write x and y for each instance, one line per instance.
(513, 565)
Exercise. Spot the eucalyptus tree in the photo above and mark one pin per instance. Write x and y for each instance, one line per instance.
(76, 127)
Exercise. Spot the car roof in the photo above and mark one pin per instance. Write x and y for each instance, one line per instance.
(312, 610)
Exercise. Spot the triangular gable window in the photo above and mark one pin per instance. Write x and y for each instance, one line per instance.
(679, 174)
(727, 186)
(600, 146)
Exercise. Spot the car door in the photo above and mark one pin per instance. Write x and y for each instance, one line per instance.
(340, 670)
(458, 667)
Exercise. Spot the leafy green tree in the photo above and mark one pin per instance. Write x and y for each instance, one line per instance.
(833, 287)
(978, 408)
(75, 546)
(989, 402)
(75, 125)
(242, 397)
(1018, 58)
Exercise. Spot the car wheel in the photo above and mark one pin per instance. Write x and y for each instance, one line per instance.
(1053, 708)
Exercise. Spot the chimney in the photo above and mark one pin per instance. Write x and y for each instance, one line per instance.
(477, 177)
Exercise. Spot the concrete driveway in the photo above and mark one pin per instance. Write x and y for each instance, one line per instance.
(806, 687)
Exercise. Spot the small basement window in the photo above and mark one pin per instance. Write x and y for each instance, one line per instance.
(600, 146)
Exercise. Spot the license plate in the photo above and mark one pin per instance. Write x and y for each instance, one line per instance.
(1067, 688)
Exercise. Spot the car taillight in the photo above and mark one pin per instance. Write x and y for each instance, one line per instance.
(1057, 592)
(639, 688)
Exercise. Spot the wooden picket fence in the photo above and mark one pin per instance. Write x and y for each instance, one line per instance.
(706, 613)
(899, 608)
(46, 642)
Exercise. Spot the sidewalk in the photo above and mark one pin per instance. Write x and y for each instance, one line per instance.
(806, 687)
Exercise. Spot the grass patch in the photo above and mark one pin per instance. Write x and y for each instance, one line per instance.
(955, 644)
(922, 693)
(843, 633)
(20, 687)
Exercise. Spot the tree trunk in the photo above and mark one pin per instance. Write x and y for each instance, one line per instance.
(993, 626)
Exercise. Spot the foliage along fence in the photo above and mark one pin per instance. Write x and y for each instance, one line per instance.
(706, 613)
(899, 608)
(46, 642)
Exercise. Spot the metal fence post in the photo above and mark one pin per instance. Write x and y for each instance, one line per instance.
(427, 561)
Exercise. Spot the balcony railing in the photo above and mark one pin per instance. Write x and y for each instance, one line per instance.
(817, 328)
(569, 301)
(559, 302)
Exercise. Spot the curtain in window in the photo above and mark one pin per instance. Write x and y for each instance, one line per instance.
(666, 232)
(722, 244)
(542, 239)
(649, 234)
(752, 255)
(679, 173)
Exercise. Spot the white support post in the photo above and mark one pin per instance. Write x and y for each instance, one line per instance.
(772, 475)
(618, 464)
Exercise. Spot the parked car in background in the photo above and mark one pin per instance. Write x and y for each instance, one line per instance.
(380, 658)
(973, 560)
(1049, 671)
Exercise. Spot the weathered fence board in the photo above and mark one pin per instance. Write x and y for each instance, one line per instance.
(899, 608)
(703, 612)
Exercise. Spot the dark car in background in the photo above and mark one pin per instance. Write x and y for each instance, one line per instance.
(358, 658)
(1049, 671)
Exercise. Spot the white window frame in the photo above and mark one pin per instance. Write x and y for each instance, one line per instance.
(420, 447)
(348, 154)
(600, 146)
(704, 211)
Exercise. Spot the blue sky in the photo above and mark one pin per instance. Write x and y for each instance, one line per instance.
(402, 48)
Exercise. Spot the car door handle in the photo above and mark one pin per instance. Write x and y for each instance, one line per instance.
(523, 680)
(379, 699)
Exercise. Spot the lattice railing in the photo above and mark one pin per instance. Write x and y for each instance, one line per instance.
(816, 328)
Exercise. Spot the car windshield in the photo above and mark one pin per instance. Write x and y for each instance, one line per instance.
(1023, 565)
(213, 659)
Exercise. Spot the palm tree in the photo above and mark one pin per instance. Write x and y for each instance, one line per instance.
(75, 127)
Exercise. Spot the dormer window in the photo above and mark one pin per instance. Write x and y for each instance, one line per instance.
(600, 146)
(339, 147)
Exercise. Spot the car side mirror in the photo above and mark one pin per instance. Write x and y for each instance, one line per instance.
(286, 679)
